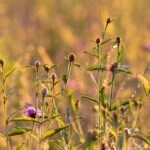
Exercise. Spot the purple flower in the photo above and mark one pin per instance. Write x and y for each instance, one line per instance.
(30, 111)
(44, 92)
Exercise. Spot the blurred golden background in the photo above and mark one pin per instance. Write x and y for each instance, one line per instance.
(50, 29)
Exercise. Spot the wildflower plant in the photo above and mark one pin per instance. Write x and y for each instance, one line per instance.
(46, 125)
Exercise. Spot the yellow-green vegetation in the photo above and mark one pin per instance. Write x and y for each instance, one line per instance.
(73, 78)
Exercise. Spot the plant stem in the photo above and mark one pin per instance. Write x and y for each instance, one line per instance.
(68, 72)
(111, 90)
(37, 89)
(5, 108)
(99, 102)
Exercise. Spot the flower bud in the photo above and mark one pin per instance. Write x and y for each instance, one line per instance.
(37, 64)
(77, 104)
(122, 109)
(113, 67)
(118, 41)
(53, 76)
(1, 63)
(115, 118)
(71, 57)
(108, 21)
(44, 92)
(46, 68)
(97, 40)
(103, 147)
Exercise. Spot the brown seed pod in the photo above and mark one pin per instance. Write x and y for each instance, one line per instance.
(71, 57)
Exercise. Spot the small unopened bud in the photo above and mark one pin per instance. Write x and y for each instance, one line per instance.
(71, 57)
(53, 76)
(108, 21)
(115, 118)
(77, 104)
(97, 40)
(44, 92)
(118, 41)
(37, 64)
(122, 109)
(127, 131)
(46, 68)
(103, 147)
(94, 136)
(1, 63)
(113, 67)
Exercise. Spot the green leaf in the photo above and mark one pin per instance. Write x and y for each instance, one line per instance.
(19, 146)
(25, 119)
(49, 118)
(50, 133)
(122, 142)
(90, 98)
(142, 137)
(1, 135)
(102, 96)
(124, 71)
(122, 103)
(55, 145)
(90, 142)
(72, 100)
(64, 78)
(121, 53)
(96, 67)
(53, 66)
(90, 54)
(18, 131)
(106, 41)
(9, 73)
(145, 83)
(59, 121)
(78, 65)
(104, 56)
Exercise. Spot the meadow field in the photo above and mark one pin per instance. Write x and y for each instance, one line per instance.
(74, 75)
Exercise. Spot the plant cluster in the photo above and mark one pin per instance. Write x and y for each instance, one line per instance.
(45, 125)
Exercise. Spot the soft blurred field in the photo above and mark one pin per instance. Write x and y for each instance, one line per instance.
(47, 30)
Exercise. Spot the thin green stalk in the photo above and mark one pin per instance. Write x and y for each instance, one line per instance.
(5, 108)
(68, 72)
(37, 89)
(56, 111)
(111, 90)
(37, 101)
(99, 102)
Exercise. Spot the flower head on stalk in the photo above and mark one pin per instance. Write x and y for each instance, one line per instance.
(31, 111)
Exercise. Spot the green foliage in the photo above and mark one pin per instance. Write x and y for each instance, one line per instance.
(55, 118)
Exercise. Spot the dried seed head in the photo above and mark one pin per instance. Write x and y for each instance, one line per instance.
(37, 64)
(71, 57)
(118, 41)
(115, 118)
(44, 92)
(103, 147)
(53, 76)
(77, 104)
(97, 40)
(113, 67)
(108, 21)
(1, 63)
(46, 68)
